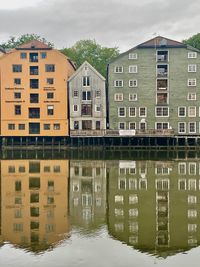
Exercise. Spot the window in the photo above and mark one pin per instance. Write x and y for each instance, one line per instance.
(132, 69)
(192, 199)
(50, 110)
(17, 110)
(162, 70)
(162, 55)
(75, 108)
(118, 69)
(181, 127)
(17, 68)
(191, 96)
(192, 82)
(43, 55)
(192, 127)
(21, 126)
(142, 112)
(34, 183)
(34, 198)
(97, 108)
(97, 93)
(11, 169)
(133, 199)
(192, 54)
(192, 68)
(34, 112)
(75, 93)
(181, 111)
(17, 81)
(86, 81)
(121, 126)
(86, 110)
(132, 83)
(118, 83)
(17, 95)
(132, 97)
(162, 112)
(50, 185)
(56, 126)
(34, 83)
(33, 57)
(11, 126)
(121, 112)
(50, 95)
(132, 112)
(46, 126)
(76, 125)
(162, 125)
(34, 98)
(34, 70)
(47, 169)
(18, 186)
(86, 95)
(132, 125)
(23, 55)
(50, 68)
(119, 199)
(192, 111)
(118, 97)
(50, 81)
(132, 56)
(35, 212)
(34, 128)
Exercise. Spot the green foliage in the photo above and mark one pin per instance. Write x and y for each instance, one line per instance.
(193, 41)
(25, 38)
(95, 54)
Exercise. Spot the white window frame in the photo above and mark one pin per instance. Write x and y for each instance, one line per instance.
(132, 83)
(189, 111)
(185, 184)
(184, 123)
(119, 112)
(180, 172)
(74, 108)
(119, 127)
(96, 107)
(189, 124)
(132, 56)
(133, 69)
(129, 109)
(179, 111)
(192, 96)
(192, 82)
(192, 68)
(118, 69)
(133, 97)
(118, 83)
(156, 108)
(143, 116)
(118, 97)
(192, 54)
(134, 123)
(156, 125)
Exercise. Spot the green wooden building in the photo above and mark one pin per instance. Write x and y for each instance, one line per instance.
(154, 88)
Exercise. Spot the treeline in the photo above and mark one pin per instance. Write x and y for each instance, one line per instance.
(97, 55)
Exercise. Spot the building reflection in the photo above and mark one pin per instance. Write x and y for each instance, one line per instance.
(155, 206)
(34, 202)
(87, 194)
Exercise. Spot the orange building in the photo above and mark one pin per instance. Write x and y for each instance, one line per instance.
(33, 83)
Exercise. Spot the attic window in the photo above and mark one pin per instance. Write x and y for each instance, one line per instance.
(32, 46)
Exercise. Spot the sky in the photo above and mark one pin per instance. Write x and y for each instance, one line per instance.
(112, 23)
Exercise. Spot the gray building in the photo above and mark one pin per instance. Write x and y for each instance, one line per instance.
(154, 88)
(87, 98)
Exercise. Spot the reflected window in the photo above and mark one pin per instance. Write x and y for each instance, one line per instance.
(87, 171)
(47, 169)
(50, 213)
(18, 227)
(11, 169)
(133, 240)
(132, 171)
(98, 202)
(133, 184)
(182, 184)
(18, 213)
(18, 200)
(133, 199)
(97, 187)
(50, 200)
(34, 198)
(192, 227)
(50, 228)
(192, 184)
(133, 212)
(192, 242)
(192, 199)
(98, 171)
(56, 168)
(34, 183)
(75, 186)
(34, 225)
(76, 201)
(119, 199)
(34, 167)
(133, 227)
(122, 183)
(18, 186)
(119, 212)
(192, 168)
(21, 169)
(50, 185)
(76, 170)
(162, 184)
(34, 238)
(87, 214)
(86, 200)
(34, 211)
(119, 227)
(192, 213)
(182, 168)
(143, 184)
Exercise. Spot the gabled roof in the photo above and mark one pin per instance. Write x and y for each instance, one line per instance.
(81, 67)
(158, 42)
(34, 45)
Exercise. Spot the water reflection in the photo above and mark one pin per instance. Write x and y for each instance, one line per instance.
(152, 206)
(34, 203)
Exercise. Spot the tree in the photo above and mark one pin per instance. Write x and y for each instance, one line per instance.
(193, 41)
(25, 38)
(95, 54)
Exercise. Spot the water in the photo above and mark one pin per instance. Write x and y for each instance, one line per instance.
(100, 210)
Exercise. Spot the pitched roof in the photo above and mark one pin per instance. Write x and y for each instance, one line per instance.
(90, 66)
(34, 45)
(160, 41)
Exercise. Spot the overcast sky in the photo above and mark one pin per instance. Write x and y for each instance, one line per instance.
(121, 23)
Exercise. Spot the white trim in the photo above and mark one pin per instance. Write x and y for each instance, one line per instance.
(119, 112)
(192, 68)
(133, 97)
(156, 123)
(118, 97)
(179, 112)
(189, 111)
(189, 123)
(133, 56)
(129, 111)
(134, 83)
(133, 69)
(162, 111)
(142, 116)
(192, 82)
(192, 54)
(118, 69)
(191, 95)
(179, 127)
(118, 83)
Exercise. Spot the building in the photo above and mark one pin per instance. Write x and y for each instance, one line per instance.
(87, 97)
(34, 91)
(34, 204)
(2, 52)
(155, 88)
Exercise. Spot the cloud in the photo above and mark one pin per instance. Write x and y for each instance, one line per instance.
(110, 22)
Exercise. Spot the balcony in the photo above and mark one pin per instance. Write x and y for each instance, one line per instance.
(162, 56)
(162, 84)
(162, 70)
